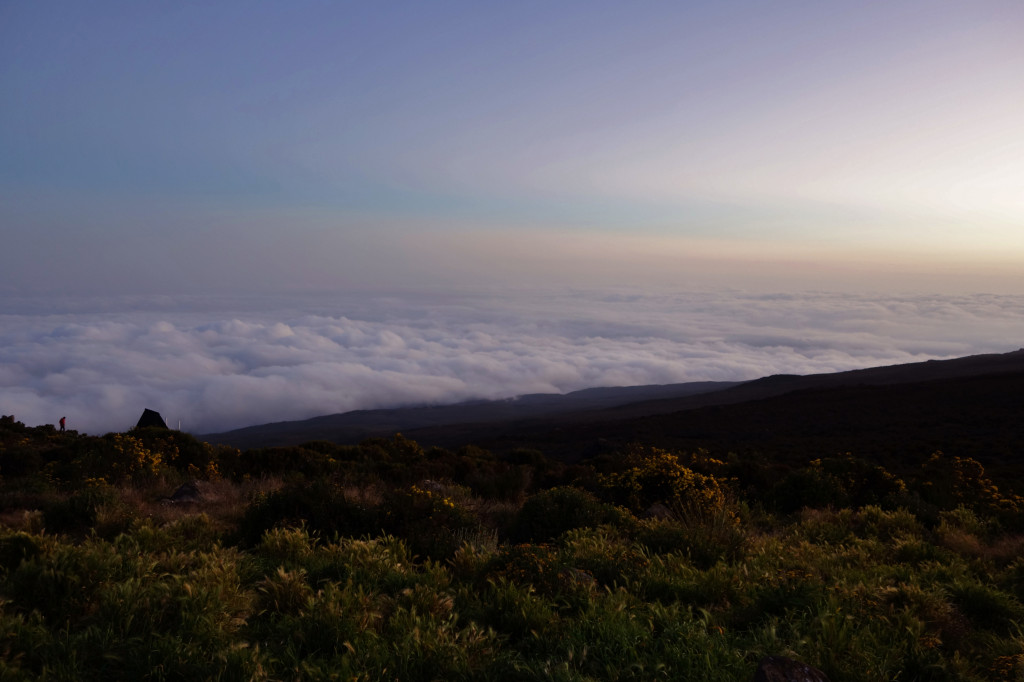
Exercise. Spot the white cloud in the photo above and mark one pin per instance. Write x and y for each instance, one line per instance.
(221, 364)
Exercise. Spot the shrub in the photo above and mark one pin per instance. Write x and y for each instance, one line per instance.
(287, 547)
(79, 511)
(837, 482)
(961, 481)
(284, 593)
(470, 561)
(808, 487)
(986, 605)
(549, 513)
(793, 590)
(704, 538)
(873, 522)
(193, 532)
(321, 506)
(383, 564)
(500, 481)
(514, 610)
(130, 458)
(17, 547)
(297, 462)
(653, 475)
(915, 551)
(605, 557)
(397, 449)
(966, 520)
(181, 450)
(536, 565)
(431, 520)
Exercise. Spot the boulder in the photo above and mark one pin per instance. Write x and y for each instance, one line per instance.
(658, 511)
(186, 493)
(781, 669)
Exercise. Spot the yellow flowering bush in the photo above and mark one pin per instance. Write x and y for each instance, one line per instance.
(962, 481)
(132, 458)
(430, 518)
(653, 475)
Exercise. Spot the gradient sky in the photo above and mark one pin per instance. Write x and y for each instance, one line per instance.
(183, 147)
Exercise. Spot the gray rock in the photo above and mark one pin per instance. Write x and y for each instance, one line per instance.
(658, 511)
(781, 669)
(186, 493)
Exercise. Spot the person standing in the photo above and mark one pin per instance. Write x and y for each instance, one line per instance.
(62, 424)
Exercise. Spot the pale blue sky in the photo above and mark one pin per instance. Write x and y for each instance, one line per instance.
(237, 146)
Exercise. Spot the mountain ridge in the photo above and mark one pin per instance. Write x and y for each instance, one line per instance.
(473, 421)
(356, 425)
(960, 409)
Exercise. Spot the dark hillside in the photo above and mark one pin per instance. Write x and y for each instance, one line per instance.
(352, 427)
(780, 384)
(969, 407)
(454, 425)
(980, 417)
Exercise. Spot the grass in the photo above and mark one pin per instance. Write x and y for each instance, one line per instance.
(352, 575)
(168, 599)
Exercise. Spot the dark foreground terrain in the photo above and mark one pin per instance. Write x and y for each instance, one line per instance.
(846, 526)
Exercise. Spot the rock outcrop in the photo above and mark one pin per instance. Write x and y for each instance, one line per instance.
(187, 493)
(781, 669)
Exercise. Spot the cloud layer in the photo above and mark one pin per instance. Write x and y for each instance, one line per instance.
(217, 364)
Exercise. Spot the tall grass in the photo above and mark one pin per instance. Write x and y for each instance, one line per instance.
(356, 577)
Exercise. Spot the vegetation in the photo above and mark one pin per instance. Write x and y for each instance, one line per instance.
(386, 561)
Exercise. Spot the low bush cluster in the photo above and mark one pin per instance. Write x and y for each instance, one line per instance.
(663, 566)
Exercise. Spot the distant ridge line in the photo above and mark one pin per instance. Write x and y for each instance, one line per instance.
(597, 404)
(356, 425)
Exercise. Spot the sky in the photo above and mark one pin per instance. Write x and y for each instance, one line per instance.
(237, 212)
(234, 147)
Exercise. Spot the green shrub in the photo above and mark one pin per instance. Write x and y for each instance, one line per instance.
(966, 520)
(549, 513)
(78, 512)
(17, 547)
(986, 606)
(808, 487)
(320, 506)
(433, 520)
(194, 532)
(101, 610)
(717, 587)
(514, 610)
(295, 462)
(18, 461)
(182, 451)
(913, 550)
(704, 538)
(1012, 579)
(381, 564)
(62, 583)
(538, 566)
(287, 547)
(470, 561)
(652, 475)
(836, 526)
(606, 557)
(961, 481)
(500, 481)
(785, 592)
(285, 593)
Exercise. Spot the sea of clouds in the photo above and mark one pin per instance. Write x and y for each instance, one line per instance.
(214, 364)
